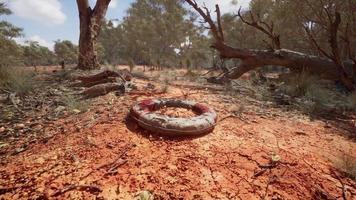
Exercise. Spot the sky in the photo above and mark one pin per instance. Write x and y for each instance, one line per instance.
(46, 21)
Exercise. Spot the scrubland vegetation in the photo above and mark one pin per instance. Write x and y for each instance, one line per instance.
(286, 124)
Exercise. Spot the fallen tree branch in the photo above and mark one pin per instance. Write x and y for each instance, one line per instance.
(113, 165)
(92, 83)
(103, 89)
(296, 61)
(123, 74)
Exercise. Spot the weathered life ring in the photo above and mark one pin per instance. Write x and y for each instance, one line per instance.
(143, 113)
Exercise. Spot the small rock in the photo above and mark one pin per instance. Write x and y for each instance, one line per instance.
(2, 129)
(76, 111)
(2, 144)
(19, 150)
(60, 109)
(40, 160)
(300, 133)
(20, 126)
(145, 195)
(38, 127)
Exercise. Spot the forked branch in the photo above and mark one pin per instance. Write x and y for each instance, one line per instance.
(264, 27)
(216, 30)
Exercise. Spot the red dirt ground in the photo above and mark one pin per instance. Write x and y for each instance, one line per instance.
(229, 163)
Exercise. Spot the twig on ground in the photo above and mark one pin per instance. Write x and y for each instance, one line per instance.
(113, 165)
(7, 190)
(343, 189)
(89, 188)
(227, 117)
(12, 99)
(113, 169)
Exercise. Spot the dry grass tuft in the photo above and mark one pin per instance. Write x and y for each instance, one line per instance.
(347, 164)
(16, 80)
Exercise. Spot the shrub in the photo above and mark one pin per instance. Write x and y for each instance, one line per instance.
(164, 88)
(63, 74)
(188, 63)
(191, 75)
(17, 80)
(317, 95)
(351, 100)
(131, 64)
(72, 103)
(347, 164)
(297, 85)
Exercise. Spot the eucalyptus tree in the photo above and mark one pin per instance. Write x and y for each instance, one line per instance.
(90, 26)
(66, 52)
(10, 52)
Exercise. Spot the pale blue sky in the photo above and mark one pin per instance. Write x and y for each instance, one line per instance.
(48, 20)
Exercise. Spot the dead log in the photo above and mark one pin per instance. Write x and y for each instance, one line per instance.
(90, 84)
(123, 74)
(103, 89)
(295, 61)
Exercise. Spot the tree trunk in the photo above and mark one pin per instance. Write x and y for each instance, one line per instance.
(90, 23)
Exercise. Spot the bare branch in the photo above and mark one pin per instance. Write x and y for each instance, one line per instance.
(315, 43)
(269, 30)
(218, 14)
(216, 31)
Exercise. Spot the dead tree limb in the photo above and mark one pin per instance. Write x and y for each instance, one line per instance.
(264, 27)
(251, 58)
(103, 83)
(123, 74)
(103, 89)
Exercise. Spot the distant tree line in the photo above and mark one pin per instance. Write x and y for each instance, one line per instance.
(32, 53)
(167, 33)
(159, 33)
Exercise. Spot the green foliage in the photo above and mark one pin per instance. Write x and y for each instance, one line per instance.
(155, 32)
(10, 52)
(298, 84)
(145, 195)
(66, 51)
(288, 24)
(36, 55)
(315, 95)
(16, 80)
(4, 10)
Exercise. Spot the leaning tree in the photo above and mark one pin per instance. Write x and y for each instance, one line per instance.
(328, 66)
(90, 25)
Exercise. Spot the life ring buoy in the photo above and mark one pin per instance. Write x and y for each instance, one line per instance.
(143, 113)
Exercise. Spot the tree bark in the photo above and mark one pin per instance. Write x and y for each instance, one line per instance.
(90, 23)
